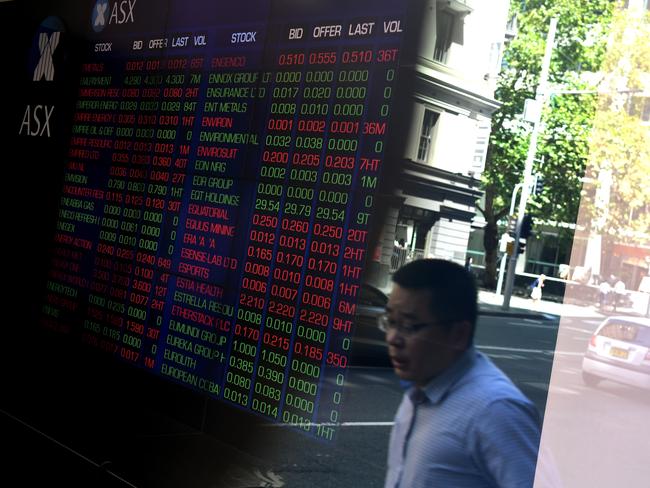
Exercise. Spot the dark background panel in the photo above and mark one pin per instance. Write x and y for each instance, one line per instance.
(85, 399)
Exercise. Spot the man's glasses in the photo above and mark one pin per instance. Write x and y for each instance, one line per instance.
(386, 323)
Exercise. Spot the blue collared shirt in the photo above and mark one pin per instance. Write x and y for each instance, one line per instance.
(469, 427)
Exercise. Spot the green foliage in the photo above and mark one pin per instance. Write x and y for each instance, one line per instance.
(564, 141)
(564, 148)
(620, 143)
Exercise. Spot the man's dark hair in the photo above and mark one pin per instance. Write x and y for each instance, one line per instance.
(453, 290)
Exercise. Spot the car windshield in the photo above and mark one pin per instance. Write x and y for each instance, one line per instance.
(627, 332)
(371, 296)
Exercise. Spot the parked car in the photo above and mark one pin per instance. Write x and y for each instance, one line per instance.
(619, 350)
(368, 342)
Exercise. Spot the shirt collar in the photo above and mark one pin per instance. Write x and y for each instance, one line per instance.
(438, 387)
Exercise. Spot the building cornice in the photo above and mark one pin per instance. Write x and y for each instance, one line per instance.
(437, 185)
(440, 174)
(432, 83)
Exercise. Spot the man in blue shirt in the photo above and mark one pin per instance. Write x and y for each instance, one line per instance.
(462, 423)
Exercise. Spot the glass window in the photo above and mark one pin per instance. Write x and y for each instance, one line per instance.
(428, 123)
(444, 25)
(494, 64)
(369, 295)
(622, 331)
(639, 106)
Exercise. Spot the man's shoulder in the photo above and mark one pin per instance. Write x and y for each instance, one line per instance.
(493, 401)
(484, 383)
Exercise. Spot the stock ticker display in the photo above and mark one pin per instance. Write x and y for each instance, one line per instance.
(218, 186)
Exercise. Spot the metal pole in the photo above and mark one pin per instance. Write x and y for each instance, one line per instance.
(502, 269)
(504, 259)
(514, 198)
(541, 98)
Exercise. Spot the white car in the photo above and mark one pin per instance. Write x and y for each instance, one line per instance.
(619, 351)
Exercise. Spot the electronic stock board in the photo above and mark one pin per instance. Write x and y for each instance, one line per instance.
(219, 181)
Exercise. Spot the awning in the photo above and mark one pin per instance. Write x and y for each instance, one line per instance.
(422, 203)
(457, 6)
(638, 262)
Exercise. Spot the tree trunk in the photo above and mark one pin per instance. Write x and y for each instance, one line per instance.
(490, 238)
(491, 244)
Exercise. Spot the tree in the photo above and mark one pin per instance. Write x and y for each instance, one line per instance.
(616, 199)
(617, 202)
(563, 142)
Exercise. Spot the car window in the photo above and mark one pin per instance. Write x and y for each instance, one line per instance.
(371, 296)
(643, 337)
(627, 332)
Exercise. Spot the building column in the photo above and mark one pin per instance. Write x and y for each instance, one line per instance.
(377, 271)
(448, 240)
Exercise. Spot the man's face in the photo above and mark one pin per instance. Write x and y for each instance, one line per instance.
(421, 356)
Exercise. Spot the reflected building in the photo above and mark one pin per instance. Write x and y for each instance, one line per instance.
(451, 84)
(613, 232)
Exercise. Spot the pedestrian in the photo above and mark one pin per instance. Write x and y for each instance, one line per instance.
(399, 254)
(461, 422)
(536, 289)
(564, 271)
(603, 294)
(619, 293)
(468, 263)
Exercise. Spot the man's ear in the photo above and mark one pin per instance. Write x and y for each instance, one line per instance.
(460, 335)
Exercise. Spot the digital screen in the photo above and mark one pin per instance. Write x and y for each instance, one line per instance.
(219, 185)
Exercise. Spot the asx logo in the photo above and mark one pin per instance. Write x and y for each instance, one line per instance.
(121, 12)
(46, 45)
(44, 54)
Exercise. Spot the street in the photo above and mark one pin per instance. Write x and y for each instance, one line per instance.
(590, 432)
(585, 428)
(523, 348)
(598, 436)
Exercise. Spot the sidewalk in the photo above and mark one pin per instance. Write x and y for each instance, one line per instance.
(490, 304)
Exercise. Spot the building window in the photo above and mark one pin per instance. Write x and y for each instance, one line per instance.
(646, 4)
(450, 20)
(444, 26)
(511, 28)
(494, 63)
(639, 107)
(428, 123)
